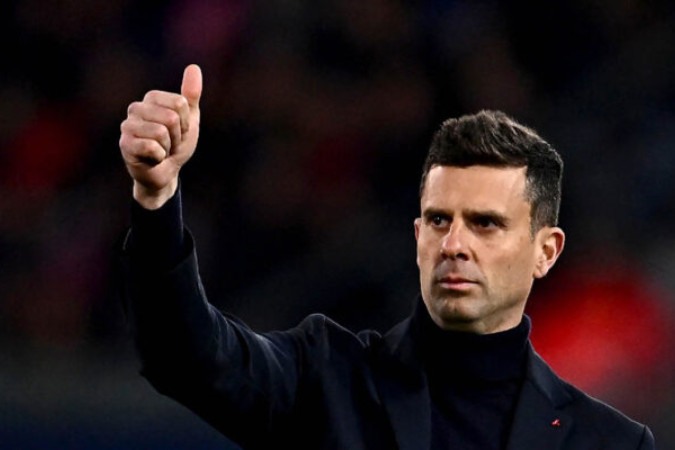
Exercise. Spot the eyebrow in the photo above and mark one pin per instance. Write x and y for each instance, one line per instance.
(429, 212)
(490, 213)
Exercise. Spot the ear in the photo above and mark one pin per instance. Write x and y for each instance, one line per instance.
(417, 224)
(550, 243)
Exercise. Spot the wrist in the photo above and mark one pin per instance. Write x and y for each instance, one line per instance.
(153, 198)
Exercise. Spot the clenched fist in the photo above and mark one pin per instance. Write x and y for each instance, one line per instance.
(159, 136)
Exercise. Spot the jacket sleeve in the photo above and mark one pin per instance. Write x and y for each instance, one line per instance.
(242, 382)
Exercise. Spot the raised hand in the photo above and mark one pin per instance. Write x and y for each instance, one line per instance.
(159, 136)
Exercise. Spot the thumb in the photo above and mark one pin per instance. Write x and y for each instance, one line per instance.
(191, 88)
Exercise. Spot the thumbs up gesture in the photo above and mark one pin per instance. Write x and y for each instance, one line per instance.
(159, 136)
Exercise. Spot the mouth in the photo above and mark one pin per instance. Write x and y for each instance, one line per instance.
(455, 283)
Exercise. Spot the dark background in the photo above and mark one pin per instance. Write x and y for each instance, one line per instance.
(316, 117)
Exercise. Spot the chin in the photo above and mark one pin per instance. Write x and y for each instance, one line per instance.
(455, 313)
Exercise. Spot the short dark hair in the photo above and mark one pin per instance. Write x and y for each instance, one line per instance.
(491, 138)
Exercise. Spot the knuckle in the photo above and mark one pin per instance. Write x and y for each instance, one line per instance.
(132, 108)
(181, 102)
(126, 125)
(172, 119)
(149, 95)
(159, 132)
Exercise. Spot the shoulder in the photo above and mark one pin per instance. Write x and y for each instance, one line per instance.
(591, 416)
(597, 408)
(608, 422)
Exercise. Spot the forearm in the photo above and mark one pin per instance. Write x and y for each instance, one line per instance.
(167, 307)
(174, 327)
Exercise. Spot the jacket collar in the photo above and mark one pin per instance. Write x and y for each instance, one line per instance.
(539, 421)
(403, 388)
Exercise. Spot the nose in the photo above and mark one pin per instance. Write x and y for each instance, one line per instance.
(454, 243)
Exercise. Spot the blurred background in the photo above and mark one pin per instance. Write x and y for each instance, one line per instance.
(316, 117)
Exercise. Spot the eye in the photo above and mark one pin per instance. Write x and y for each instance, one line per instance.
(485, 222)
(437, 220)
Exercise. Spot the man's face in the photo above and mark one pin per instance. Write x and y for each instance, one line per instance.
(475, 250)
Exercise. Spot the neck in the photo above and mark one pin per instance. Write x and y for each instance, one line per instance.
(495, 356)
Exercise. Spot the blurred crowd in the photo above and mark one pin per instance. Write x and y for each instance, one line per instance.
(316, 117)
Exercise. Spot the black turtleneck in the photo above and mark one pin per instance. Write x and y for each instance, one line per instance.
(474, 381)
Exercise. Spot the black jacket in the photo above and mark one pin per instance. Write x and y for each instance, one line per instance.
(320, 386)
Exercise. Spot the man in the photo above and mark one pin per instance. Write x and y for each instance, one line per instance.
(459, 373)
